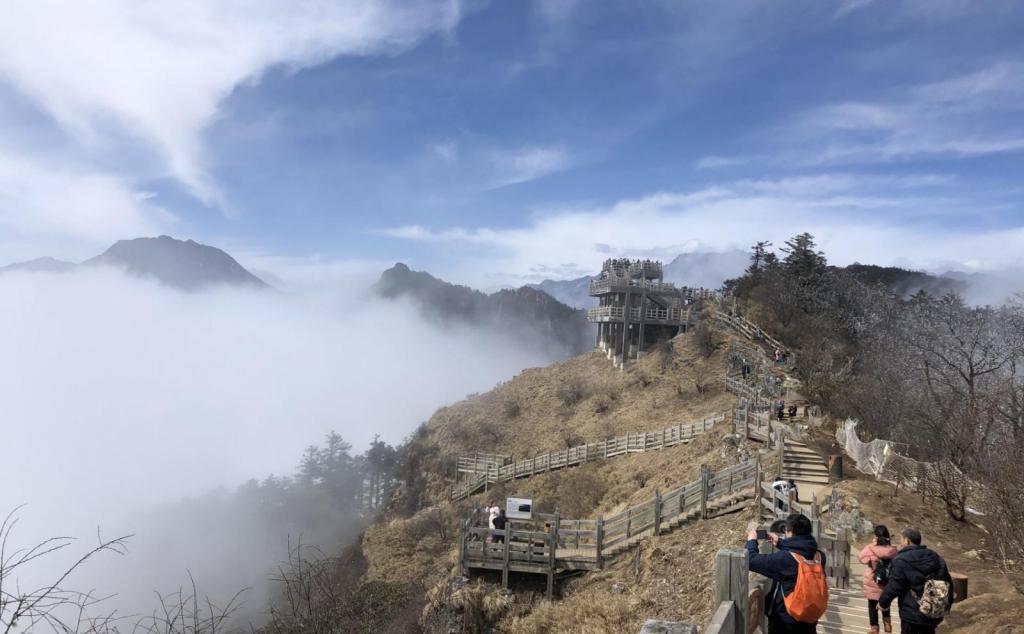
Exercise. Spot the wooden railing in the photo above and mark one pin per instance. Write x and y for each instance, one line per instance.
(575, 544)
(481, 474)
(749, 392)
(480, 463)
(751, 331)
(674, 315)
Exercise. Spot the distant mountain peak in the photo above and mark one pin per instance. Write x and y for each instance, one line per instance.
(531, 316)
(184, 264)
(45, 264)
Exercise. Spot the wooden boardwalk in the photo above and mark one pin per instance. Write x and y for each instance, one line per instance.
(748, 329)
(550, 544)
(478, 471)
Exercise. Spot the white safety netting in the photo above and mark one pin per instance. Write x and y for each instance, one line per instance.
(879, 458)
(870, 457)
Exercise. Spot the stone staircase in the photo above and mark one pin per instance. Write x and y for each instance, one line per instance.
(806, 467)
(848, 609)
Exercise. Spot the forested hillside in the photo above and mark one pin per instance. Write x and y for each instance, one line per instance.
(932, 372)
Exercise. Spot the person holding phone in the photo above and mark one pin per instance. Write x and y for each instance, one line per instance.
(783, 567)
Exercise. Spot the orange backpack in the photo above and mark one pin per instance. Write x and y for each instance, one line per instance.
(808, 600)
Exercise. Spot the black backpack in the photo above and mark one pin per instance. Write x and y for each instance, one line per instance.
(881, 571)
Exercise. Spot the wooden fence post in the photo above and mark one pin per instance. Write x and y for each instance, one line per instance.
(657, 512)
(600, 540)
(507, 531)
(462, 545)
(704, 477)
(780, 448)
(757, 483)
(815, 517)
(731, 584)
(629, 523)
(553, 554)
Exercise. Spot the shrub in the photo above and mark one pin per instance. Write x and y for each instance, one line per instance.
(573, 391)
(705, 338)
(511, 408)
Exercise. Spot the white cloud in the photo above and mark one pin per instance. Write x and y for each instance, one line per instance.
(856, 218)
(976, 114)
(107, 70)
(850, 6)
(40, 199)
(715, 162)
(529, 163)
(120, 395)
(308, 273)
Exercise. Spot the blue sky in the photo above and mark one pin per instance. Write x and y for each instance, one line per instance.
(504, 142)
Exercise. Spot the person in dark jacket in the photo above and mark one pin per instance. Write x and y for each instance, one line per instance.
(781, 568)
(499, 524)
(911, 567)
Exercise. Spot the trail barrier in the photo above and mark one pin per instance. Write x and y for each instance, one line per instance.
(484, 469)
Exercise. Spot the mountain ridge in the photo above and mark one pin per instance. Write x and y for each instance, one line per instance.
(525, 313)
(183, 264)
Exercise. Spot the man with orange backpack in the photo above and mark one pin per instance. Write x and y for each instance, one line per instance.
(799, 592)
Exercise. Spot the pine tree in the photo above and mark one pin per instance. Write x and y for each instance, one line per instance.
(758, 255)
(803, 261)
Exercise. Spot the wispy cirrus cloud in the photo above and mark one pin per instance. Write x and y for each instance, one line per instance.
(716, 162)
(529, 163)
(879, 219)
(117, 74)
(969, 115)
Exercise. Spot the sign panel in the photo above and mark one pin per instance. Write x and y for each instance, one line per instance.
(519, 508)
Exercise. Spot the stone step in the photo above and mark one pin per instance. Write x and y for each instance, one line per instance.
(799, 449)
(804, 466)
(800, 459)
(806, 478)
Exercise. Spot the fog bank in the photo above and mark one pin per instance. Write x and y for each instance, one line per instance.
(121, 395)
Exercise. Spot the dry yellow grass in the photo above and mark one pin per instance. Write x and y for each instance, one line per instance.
(544, 409)
(582, 399)
(419, 549)
(671, 578)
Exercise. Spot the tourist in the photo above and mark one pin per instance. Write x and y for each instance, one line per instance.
(492, 512)
(920, 580)
(877, 556)
(782, 486)
(794, 493)
(796, 554)
(792, 411)
(499, 525)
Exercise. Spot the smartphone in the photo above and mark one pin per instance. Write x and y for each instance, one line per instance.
(762, 534)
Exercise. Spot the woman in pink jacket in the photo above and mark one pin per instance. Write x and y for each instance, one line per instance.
(880, 548)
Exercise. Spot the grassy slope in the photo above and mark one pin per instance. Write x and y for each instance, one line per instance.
(582, 399)
(672, 575)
